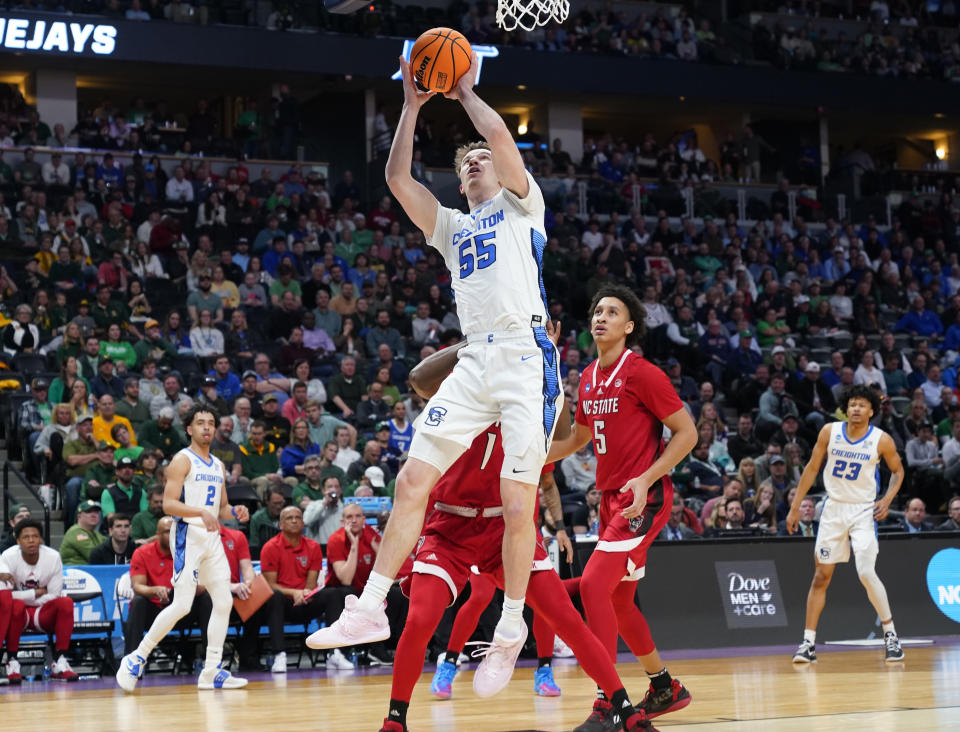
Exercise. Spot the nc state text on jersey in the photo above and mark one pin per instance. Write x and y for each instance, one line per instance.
(600, 407)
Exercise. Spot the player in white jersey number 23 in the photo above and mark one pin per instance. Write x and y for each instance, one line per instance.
(508, 372)
(852, 451)
(195, 494)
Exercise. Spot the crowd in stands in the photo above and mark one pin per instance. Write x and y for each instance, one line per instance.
(903, 38)
(153, 127)
(896, 43)
(295, 309)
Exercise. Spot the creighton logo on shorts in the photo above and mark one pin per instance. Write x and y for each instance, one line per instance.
(302, 560)
(435, 416)
(824, 552)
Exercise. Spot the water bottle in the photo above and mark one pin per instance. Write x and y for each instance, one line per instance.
(46, 671)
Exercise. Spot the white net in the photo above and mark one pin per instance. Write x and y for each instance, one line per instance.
(528, 14)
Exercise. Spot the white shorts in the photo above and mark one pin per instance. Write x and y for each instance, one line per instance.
(843, 525)
(512, 378)
(198, 556)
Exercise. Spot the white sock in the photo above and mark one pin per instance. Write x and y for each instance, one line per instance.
(146, 647)
(214, 656)
(374, 592)
(810, 635)
(888, 628)
(510, 626)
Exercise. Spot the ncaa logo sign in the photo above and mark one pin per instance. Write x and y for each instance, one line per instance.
(943, 582)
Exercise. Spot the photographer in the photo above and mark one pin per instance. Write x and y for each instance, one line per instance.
(322, 518)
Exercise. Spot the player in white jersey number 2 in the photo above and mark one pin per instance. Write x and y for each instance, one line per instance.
(508, 372)
(852, 450)
(196, 495)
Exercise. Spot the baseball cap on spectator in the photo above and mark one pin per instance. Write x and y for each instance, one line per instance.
(800, 299)
(839, 250)
(209, 381)
(151, 324)
(15, 509)
(381, 426)
(84, 303)
(88, 506)
(813, 367)
(102, 445)
(778, 349)
(671, 362)
(249, 374)
(269, 398)
(375, 476)
(925, 426)
(126, 462)
(777, 459)
(148, 166)
(106, 359)
(85, 418)
(39, 384)
(791, 416)
(746, 334)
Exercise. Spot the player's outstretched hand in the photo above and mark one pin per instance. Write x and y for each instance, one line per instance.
(466, 82)
(553, 330)
(792, 520)
(412, 96)
(880, 509)
(565, 545)
(210, 522)
(639, 486)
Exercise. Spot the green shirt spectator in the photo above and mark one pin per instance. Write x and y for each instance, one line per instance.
(110, 312)
(160, 434)
(121, 351)
(98, 477)
(82, 537)
(106, 500)
(269, 515)
(278, 288)
(258, 459)
(143, 527)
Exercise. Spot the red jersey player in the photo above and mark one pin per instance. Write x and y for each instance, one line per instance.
(625, 401)
(463, 530)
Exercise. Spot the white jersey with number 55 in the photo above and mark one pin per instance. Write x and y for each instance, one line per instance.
(203, 486)
(495, 256)
(850, 473)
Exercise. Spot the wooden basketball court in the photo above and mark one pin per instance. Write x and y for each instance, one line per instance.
(848, 690)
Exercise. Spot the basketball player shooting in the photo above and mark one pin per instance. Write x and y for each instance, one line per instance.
(508, 371)
(852, 450)
(195, 495)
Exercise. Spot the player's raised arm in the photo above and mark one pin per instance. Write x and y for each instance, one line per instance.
(888, 451)
(419, 203)
(507, 161)
(808, 477)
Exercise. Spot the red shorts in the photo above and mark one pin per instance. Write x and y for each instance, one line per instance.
(43, 618)
(452, 547)
(632, 537)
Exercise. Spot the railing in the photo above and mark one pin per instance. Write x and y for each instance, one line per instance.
(9, 467)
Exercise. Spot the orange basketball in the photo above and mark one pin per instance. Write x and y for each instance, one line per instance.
(439, 58)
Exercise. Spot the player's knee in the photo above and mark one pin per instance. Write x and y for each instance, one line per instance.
(821, 578)
(516, 514)
(411, 488)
